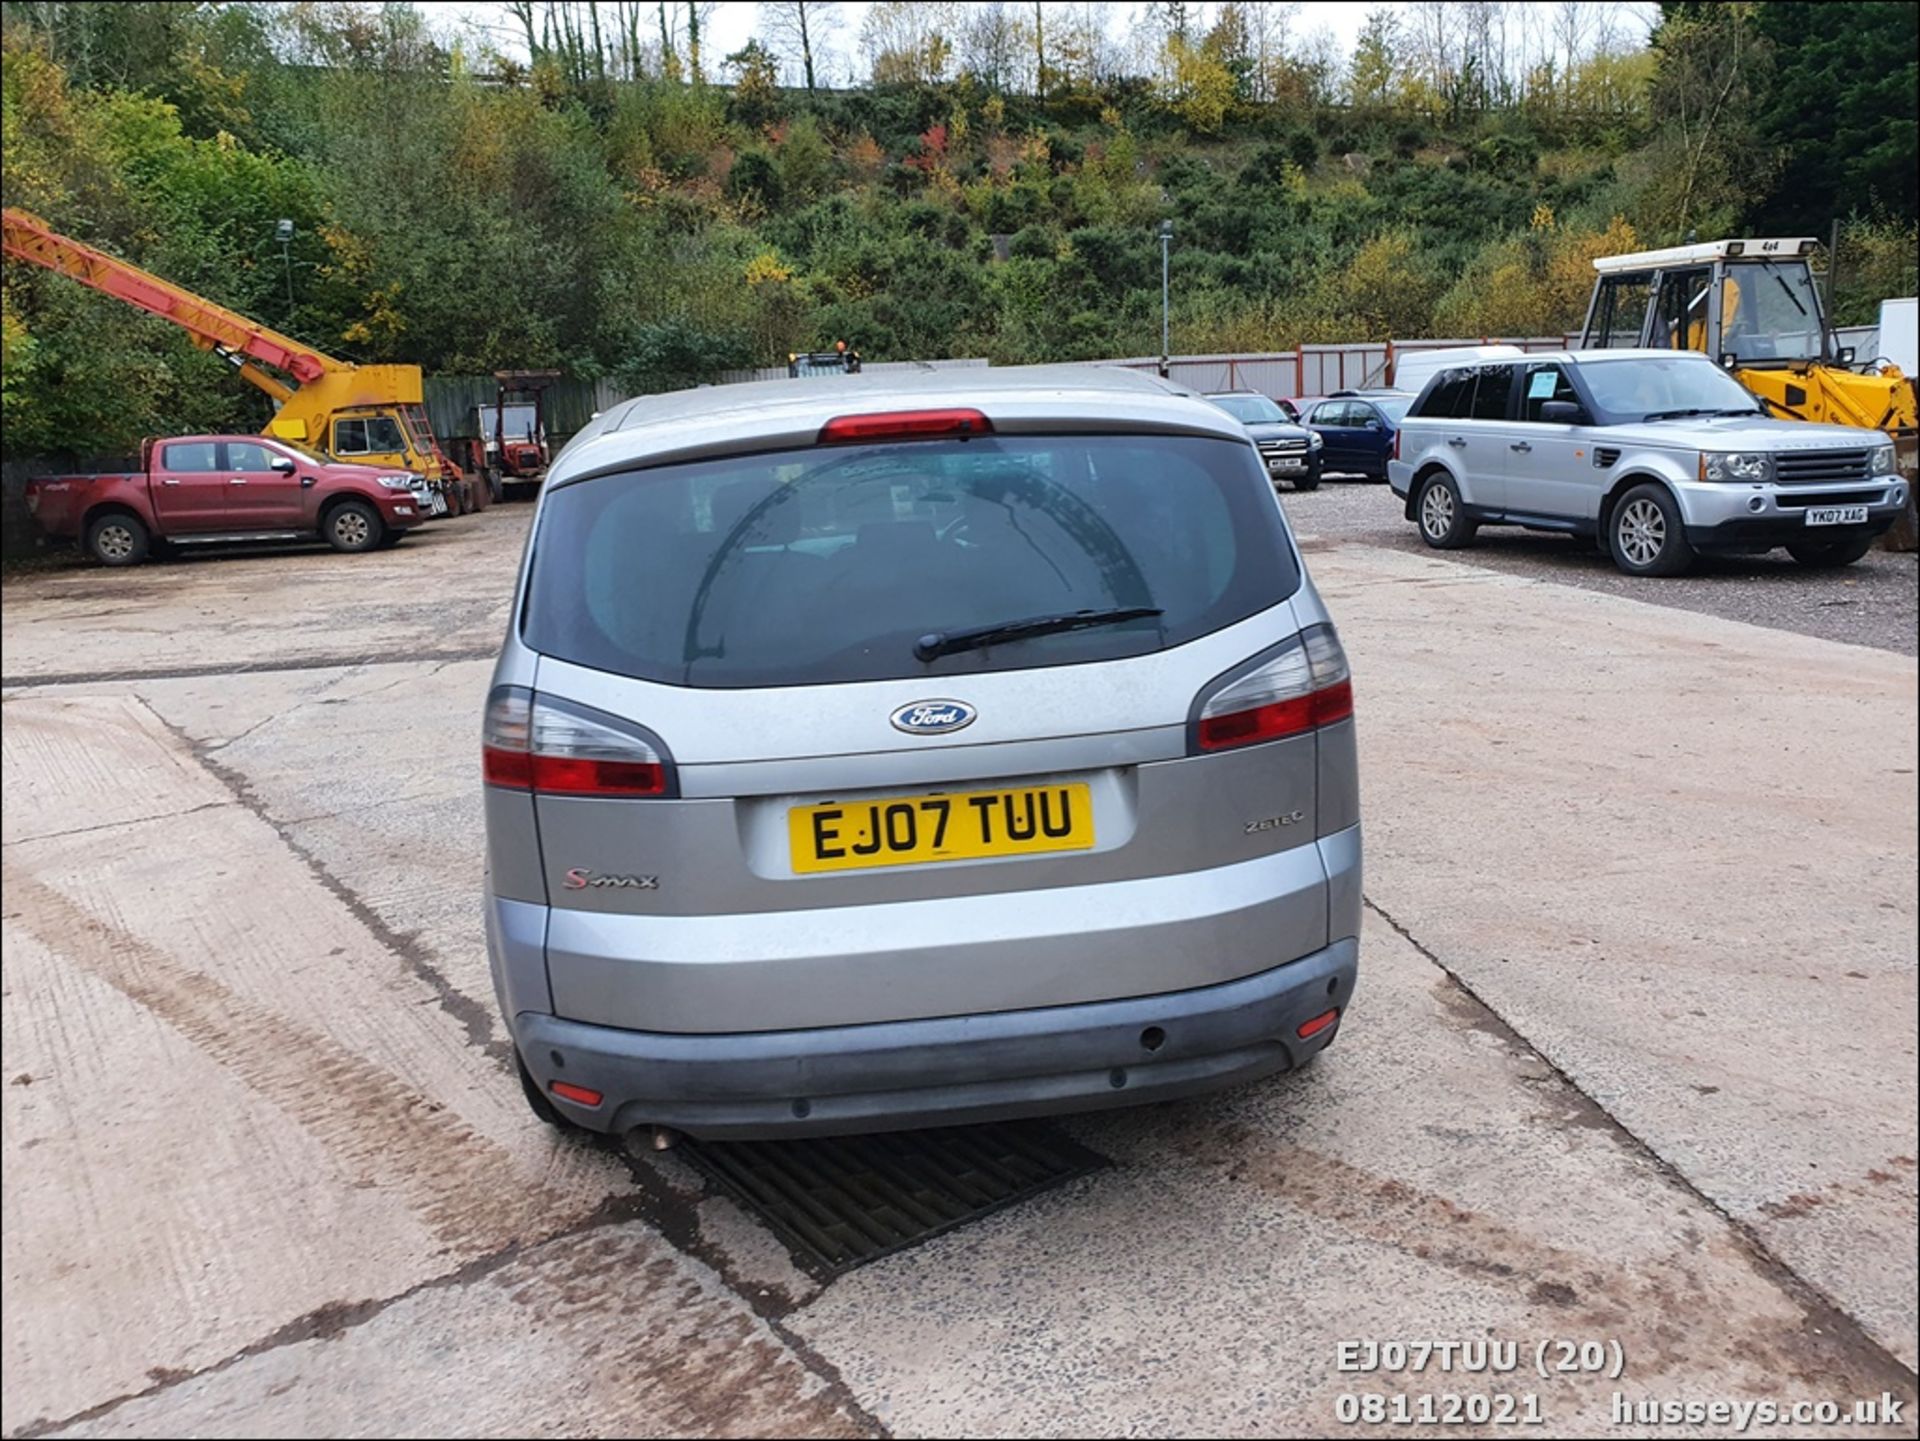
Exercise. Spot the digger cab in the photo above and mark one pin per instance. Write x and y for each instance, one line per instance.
(841, 360)
(1749, 304)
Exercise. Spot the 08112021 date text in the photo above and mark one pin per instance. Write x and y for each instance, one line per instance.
(1499, 1408)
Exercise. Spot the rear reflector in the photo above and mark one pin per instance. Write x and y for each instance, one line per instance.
(1262, 723)
(580, 1095)
(584, 776)
(513, 769)
(904, 425)
(1305, 686)
(1315, 1026)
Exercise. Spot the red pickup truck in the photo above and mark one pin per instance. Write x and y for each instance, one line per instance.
(196, 489)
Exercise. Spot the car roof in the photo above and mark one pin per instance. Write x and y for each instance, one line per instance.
(775, 414)
(1224, 394)
(1589, 357)
(1564, 357)
(1449, 353)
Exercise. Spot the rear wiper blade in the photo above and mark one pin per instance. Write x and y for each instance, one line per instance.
(1676, 414)
(947, 642)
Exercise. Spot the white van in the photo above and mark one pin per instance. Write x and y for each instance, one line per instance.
(1899, 339)
(1412, 369)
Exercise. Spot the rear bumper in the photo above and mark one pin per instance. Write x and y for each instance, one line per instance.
(787, 970)
(944, 1071)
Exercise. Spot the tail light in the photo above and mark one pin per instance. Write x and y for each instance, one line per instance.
(535, 743)
(1396, 442)
(1305, 686)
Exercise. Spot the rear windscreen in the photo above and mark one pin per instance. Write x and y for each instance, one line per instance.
(813, 566)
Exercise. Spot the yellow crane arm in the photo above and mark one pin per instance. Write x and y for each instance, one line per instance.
(246, 343)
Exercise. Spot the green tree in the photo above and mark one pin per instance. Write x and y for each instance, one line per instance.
(675, 354)
(1199, 89)
(1388, 288)
(1374, 75)
(1838, 108)
(756, 96)
(1708, 159)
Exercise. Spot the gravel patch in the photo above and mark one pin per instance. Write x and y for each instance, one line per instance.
(1874, 602)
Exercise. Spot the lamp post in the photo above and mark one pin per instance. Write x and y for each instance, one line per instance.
(1166, 241)
(283, 232)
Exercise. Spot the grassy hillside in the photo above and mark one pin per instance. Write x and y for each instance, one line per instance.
(470, 214)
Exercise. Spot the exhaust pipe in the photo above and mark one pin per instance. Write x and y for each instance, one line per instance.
(642, 1139)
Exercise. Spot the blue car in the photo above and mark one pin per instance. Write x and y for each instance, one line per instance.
(1357, 428)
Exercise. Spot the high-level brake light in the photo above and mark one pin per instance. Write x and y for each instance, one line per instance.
(905, 425)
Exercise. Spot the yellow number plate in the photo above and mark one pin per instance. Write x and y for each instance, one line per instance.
(957, 826)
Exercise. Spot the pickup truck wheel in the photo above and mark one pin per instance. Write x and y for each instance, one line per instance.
(1646, 534)
(354, 526)
(118, 539)
(1831, 554)
(1443, 515)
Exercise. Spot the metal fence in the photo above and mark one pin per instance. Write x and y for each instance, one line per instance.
(452, 399)
(1315, 369)
(870, 367)
(570, 404)
(1306, 370)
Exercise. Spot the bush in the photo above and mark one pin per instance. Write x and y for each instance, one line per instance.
(755, 176)
(674, 354)
(1035, 242)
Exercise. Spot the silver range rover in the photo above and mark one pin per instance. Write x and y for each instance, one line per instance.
(912, 751)
(1659, 455)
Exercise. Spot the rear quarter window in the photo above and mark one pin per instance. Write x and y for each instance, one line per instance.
(194, 455)
(1490, 392)
(825, 565)
(1450, 397)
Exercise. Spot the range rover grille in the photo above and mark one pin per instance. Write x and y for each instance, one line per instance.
(1820, 467)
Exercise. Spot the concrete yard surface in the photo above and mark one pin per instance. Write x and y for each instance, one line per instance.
(1632, 1059)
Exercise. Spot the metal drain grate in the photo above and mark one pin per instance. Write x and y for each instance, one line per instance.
(839, 1202)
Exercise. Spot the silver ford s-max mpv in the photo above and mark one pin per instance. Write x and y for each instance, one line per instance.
(883, 752)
